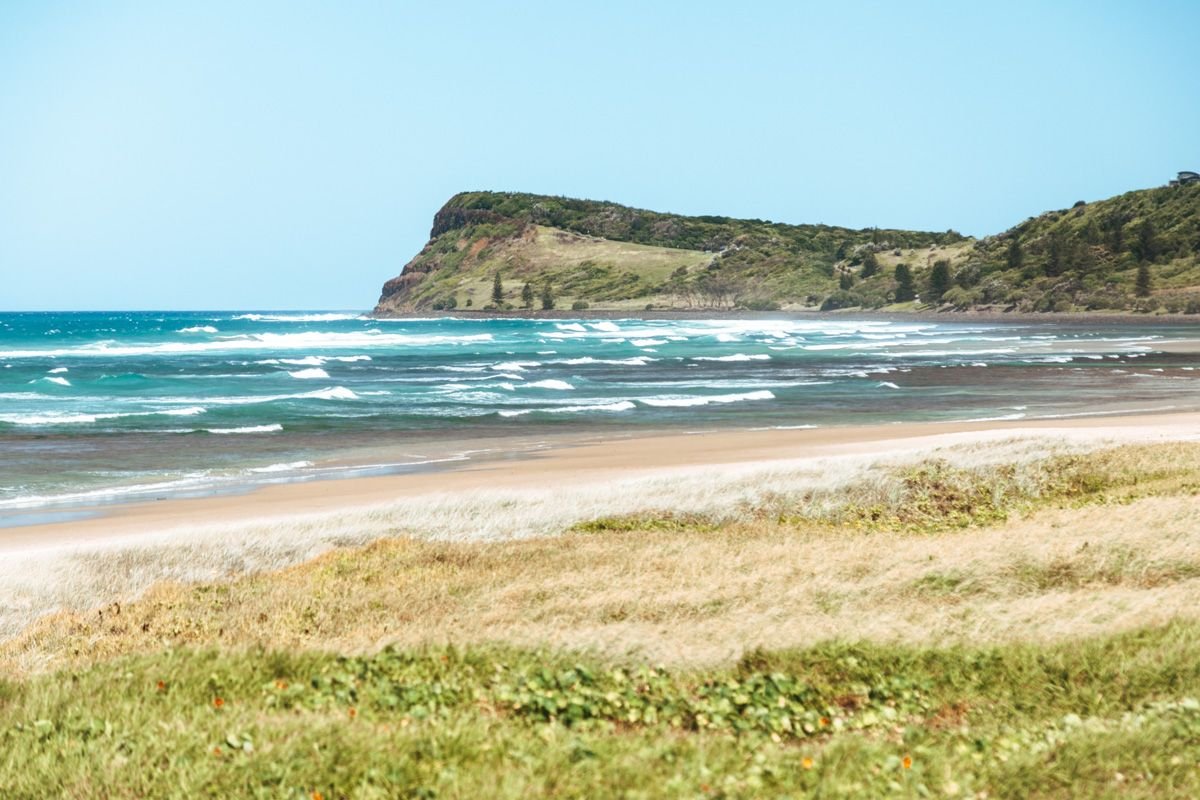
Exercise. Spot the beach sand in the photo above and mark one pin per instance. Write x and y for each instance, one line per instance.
(1184, 347)
(574, 465)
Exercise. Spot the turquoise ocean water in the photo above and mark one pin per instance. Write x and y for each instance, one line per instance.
(102, 406)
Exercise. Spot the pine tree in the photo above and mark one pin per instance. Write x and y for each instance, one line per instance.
(497, 290)
(1055, 255)
(939, 280)
(1144, 282)
(547, 297)
(1147, 242)
(905, 290)
(870, 265)
(527, 294)
(1015, 256)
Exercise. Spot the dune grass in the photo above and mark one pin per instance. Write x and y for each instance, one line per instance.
(977, 626)
(992, 552)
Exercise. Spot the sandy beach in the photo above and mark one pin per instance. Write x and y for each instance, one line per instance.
(574, 465)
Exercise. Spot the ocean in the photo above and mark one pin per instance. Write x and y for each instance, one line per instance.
(114, 406)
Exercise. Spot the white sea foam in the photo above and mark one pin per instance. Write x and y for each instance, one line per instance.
(667, 401)
(288, 467)
(59, 381)
(620, 405)
(306, 340)
(56, 371)
(306, 374)
(332, 393)
(887, 385)
(607, 327)
(81, 418)
(275, 428)
(32, 501)
(570, 326)
(549, 384)
(647, 342)
(298, 317)
(198, 329)
(635, 361)
(515, 366)
(313, 361)
(734, 357)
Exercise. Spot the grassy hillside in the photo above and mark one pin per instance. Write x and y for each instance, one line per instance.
(1136, 252)
(975, 629)
(1089, 257)
(611, 256)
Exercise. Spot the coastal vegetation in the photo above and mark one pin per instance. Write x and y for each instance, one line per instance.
(985, 621)
(1137, 252)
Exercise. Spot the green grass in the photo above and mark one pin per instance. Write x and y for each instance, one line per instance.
(1113, 716)
(935, 496)
(1100, 718)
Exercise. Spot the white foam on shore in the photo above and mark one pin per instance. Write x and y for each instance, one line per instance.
(734, 357)
(620, 405)
(702, 400)
(288, 467)
(275, 428)
(80, 418)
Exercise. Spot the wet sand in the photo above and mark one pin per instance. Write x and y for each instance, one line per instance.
(570, 464)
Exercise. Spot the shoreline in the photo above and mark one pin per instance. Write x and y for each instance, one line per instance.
(1020, 317)
(567, 462)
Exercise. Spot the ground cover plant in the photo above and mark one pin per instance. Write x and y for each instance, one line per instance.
(986, 627)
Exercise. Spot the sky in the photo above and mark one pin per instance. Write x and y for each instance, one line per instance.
(291, 155)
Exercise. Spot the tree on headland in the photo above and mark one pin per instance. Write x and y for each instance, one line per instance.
(870, 266)
(845, 280)
(527, 295)
(1055, 252)
(905, 290)
(1144, 283)
(497, 289)
(547, 297)
(939, 280)
(1147, 244)
(1015, 257)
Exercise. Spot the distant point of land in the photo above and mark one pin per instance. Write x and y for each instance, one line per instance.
(520, 253)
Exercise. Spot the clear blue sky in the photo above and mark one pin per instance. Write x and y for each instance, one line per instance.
(291, 155)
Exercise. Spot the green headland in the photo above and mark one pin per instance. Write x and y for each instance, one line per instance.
(503, 251)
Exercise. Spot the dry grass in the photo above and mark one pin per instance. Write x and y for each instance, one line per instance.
(691, 593)
(38, 582)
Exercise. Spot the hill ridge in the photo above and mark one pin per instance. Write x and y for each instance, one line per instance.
(1138, 251)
